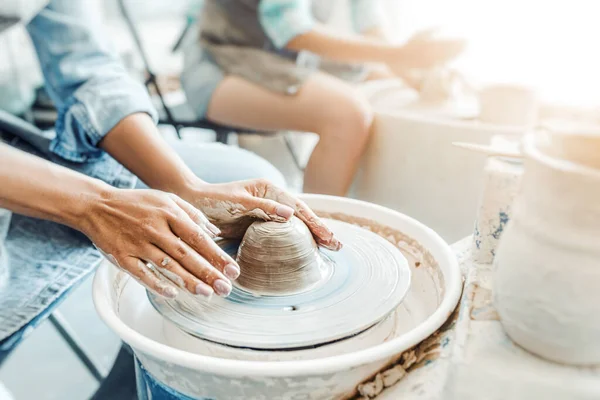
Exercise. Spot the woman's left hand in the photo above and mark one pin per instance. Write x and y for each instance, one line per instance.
(234, 206)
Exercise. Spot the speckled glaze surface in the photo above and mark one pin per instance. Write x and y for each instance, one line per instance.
(502, 177)
(547, 268)
(328, 374)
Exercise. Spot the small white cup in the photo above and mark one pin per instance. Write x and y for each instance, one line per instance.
(508, 105)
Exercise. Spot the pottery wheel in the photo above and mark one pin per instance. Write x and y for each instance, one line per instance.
(363, 283)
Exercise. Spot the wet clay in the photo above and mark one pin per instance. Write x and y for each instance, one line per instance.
(278, 258)
(415, 253)
(363, 283)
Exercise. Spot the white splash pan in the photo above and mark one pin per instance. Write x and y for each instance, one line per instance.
(432, 298)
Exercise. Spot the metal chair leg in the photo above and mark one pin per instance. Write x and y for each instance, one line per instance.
(222, 137)
(67, 333)
(151, 76)
(120, 384)
(189, 24)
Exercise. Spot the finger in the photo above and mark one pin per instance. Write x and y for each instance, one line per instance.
(451, 48)
(322, 233)
(197, 216)
(192, 252)
(150, 280)
(179, 249)
(267, 210)
(173, 271)
(446, 50)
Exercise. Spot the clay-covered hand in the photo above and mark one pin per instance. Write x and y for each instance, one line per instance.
(234, 206)
(424, 50)
(134, 228)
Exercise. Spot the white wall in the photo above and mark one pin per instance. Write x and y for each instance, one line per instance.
(550, 44)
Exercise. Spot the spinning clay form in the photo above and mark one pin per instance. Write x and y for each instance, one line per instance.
(279, 258)
(292, 294)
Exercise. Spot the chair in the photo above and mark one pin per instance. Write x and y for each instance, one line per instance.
(182, 115)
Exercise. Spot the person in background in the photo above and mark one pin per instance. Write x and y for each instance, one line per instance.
(275, 65)
(68, 197)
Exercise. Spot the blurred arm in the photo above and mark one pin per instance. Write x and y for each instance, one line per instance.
(289, 24)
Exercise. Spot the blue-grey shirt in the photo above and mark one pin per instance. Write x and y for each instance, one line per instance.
(40, 260)
(248, 39)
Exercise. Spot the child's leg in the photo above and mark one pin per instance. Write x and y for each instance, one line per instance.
(324, 105)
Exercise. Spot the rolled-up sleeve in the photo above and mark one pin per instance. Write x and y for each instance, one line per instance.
(367, 14)
(283, 20)
(84, 77)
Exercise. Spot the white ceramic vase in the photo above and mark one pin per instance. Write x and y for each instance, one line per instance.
(547, 266)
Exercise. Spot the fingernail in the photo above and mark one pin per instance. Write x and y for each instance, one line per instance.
(284, 211)
(222, 288)
(169, 292)
(231, 271)
(204, 290)
(333, 244)
(338, 245)
(213, 229)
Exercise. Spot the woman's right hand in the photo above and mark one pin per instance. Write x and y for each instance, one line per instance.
(134, 228)
(424, 51)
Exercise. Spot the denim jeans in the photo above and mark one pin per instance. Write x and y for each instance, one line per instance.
(46, 260)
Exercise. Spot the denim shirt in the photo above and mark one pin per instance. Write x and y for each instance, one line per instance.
(41, 260)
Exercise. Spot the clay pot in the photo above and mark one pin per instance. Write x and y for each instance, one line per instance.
(547, 267)
(508, 105)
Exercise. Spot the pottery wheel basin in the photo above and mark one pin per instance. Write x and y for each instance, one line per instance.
(201, 368)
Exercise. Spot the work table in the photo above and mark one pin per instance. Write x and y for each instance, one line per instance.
(471, 358)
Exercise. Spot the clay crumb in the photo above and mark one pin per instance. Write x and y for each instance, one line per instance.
(418, 264)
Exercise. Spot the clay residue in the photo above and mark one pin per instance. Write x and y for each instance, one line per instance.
(412, 249)
(233, 219)
(480, 303)
(429, 349)
(416, 357)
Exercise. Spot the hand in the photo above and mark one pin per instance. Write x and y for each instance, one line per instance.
(234, 206)
(134, 228)
(424, 51)
(377, 71)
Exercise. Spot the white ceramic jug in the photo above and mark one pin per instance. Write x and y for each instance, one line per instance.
(547, 266)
